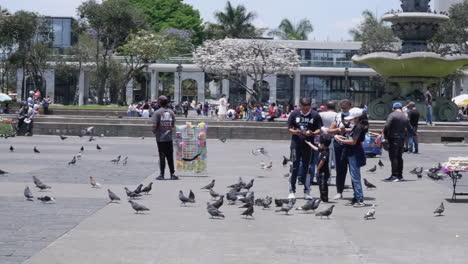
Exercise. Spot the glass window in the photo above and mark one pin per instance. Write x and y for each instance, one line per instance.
(328, 58)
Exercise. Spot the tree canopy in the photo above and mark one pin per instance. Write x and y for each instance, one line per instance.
(165, 14)
(287, 30)
(452, 36)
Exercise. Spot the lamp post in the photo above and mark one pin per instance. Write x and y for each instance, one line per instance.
(346, 75)
(179, 69)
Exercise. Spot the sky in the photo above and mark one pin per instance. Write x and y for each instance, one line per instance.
(331, 19)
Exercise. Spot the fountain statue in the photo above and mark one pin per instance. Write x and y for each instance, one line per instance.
(412, 70)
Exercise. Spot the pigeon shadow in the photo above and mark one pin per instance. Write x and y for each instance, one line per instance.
(248, 218)
(439, 215)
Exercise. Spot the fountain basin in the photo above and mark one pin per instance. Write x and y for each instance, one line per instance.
(415, 17)
(415, 64)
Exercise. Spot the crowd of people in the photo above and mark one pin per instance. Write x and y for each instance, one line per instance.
(29, 109)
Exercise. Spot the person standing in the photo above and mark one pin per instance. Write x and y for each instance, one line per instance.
(428, 101)
(355, 152)
(45, 104)
(342, 127)
(323, 170)
(223, 107)
(396, 129)
(303, 124)
(163, 123)
(413, 116)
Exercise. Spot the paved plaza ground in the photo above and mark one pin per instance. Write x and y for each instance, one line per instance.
(81, 227)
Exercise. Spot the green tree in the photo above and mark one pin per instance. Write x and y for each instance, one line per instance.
(165, 14)
(374, 34)
(111, 22)
(234, 22)
(452, 36)
(287, 30)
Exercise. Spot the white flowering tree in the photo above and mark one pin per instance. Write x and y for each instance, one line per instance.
(235, 59)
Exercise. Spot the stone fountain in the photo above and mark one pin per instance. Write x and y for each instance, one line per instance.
(410, 71)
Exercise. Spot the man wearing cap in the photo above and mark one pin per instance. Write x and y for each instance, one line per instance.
(396, 129)
(163, 123)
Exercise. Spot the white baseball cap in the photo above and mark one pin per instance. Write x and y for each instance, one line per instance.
(354, 113)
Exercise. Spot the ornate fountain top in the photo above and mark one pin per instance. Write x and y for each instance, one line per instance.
(415, 5)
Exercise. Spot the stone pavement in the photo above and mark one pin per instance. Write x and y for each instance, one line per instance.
(82, 228)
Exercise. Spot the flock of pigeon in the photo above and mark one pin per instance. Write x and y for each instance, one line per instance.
(238, 192)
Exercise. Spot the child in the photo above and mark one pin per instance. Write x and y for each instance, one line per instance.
(322, 166)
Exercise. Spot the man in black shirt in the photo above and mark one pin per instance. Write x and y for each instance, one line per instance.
(413, 116)
(303, 124)
(396, 129)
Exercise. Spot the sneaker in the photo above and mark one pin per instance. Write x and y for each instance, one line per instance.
(173, 177)
(338, 196)
(397, 179)
(160, 178)
(351, 203)
(314, 183)
(291, 196)
(390, 179)
(307, 197)
(359, 204)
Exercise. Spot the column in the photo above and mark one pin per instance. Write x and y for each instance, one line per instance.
(83, 87)
(272, 84)
(250, 84)
(297, 88)
(19, 84)
(50, 83)
(201, 87)
(225, 88)
(177, 91)
(154, 85)
(129, 92)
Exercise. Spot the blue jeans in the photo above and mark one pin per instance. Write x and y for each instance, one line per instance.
(312, 169)
(429, 115)
(249, 115)
(413, 142)
(355, 172)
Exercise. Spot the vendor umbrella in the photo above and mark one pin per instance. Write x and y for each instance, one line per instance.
(4, 97)
(461, 100)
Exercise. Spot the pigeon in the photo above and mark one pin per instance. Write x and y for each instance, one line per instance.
(368, 184)
(285, 161)
(231, 197)
(191, 197)
(131, 194)
(419, 175)
(125, 160)
(269, 166)
(249, 211)
(73, 161)
(94, 183)
(28, 194)
(148, 188)
(414, 171)
(193, 158)
(372, 169)
(310, 205)
(36, 150)
(98, 147)
(371, 213)
(42, 186)
(440, 209)
(434, 176)
(249, 185)
(91, 138)
(78, 156)
(248, 199)
(46, 199)
(138, 207)
(223, 140)
(326, 213)
(287, 207)
(255, 153)
(112, 196)
(12, 149)
(262, 151)
(82, 149)
(209, 186)
(36, 180)
(63, 137)
(218, 202)
(280, 202)
(213, 211)
(3, 172)
(80, 135)
(116, 160)
(89, 130)
(265, 203)
(380, 164)
(435, 169)
(214, 194)
(142, 138)
(183, 198)
(138, 188)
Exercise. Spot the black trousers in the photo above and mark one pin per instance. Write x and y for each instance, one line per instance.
(322, 180)
(341, 159)
(395, 151)
(300, 152)
(166, 151)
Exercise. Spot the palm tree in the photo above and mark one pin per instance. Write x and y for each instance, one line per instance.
(287, 30)
(369, 20)
(234, 22)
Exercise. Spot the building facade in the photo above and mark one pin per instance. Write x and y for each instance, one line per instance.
(444, 5)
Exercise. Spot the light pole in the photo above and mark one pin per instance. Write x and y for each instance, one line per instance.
(346, 75)
(179, 69)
